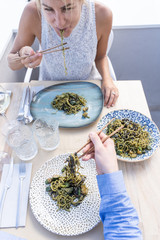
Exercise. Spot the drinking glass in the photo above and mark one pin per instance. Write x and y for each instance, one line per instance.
(47, 133)
(4, 101)
(20, 138)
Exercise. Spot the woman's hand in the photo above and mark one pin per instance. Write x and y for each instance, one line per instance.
(104, 154)
(33, 60)
(110, 93)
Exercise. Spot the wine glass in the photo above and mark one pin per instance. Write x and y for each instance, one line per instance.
(4, 101)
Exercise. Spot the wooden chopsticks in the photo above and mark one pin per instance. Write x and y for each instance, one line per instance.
(46, 51)
(91, 149)
(51, 49)
(97, 133)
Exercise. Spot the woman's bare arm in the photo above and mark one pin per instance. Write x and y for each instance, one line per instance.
(104, 26)
(29, 28)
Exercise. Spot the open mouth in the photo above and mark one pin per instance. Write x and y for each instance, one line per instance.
(63, 30)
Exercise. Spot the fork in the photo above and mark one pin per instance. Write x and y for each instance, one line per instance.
(22, 175)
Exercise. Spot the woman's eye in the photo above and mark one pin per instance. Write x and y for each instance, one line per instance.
(66, 9)
(48, 9)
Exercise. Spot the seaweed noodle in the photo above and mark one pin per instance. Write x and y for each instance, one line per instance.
(130, 141)
(70, 103)
(68, 189)
(65, 68)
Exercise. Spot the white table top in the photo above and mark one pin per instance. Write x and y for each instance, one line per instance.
(142, 179)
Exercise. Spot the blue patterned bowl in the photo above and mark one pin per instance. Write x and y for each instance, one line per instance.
(137, 117)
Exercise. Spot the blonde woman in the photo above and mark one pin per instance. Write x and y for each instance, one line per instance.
(86, 26)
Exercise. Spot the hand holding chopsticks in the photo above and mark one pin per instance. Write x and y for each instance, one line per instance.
(97, 133)
(101, 148)
(103, 140)
(108, 136)
(46, 51)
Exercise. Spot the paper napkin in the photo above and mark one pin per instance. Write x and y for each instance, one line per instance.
(7, 236)
(10, 205)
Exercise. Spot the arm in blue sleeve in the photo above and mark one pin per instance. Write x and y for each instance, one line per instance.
(119, 217)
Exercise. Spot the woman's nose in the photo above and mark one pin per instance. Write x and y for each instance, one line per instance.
(60, 20)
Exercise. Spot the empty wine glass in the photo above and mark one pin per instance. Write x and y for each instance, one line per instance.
(4, 101)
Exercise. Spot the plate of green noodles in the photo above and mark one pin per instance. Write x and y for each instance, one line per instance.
(73, 104)
(137, 140)
(82, 217)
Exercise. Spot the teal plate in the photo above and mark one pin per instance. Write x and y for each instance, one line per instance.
(41, 105)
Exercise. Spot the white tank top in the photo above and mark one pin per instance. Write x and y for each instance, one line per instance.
(81, 55)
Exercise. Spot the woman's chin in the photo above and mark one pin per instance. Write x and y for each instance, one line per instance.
(66, 34)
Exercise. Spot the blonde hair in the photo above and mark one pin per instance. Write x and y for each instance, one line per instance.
(38, 4)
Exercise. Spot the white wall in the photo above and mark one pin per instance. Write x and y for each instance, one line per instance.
(135, 54)
(134, 12)
(10, 12)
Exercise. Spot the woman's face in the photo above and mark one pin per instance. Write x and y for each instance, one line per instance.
(62, 14)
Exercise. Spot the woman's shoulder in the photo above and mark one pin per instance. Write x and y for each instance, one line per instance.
(31, 19)
(31, 11)
(103, 14)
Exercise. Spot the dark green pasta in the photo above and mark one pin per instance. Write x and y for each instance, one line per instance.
(65, 68)
(70, 103)
(130, 141)
(69, 188)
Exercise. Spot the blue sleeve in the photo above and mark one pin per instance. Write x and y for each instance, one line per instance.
(119, 217)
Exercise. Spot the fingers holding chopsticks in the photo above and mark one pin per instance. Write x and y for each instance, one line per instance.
(101, 148)
(94, 145)
(29, 58)
(103, 151)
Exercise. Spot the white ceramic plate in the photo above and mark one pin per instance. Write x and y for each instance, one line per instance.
(137, 117)
(81, 218)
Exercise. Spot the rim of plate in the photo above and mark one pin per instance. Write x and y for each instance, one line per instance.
(40, 215)
(140, 156)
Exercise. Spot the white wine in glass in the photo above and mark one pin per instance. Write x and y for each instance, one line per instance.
(4, 101)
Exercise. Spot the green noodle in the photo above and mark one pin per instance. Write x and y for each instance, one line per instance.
(63, 52)
(70, 103)
(130, 141)
(68, 189)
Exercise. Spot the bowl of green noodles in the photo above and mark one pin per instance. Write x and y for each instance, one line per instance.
(137, 140)
(68, 183)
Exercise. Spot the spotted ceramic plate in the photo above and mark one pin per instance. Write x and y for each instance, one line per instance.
(81, 218)
(137, 117)
(41, 104)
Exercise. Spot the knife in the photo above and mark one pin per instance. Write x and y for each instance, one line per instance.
(27, 114)
(21, 108)
(7, 185)
(27, 101)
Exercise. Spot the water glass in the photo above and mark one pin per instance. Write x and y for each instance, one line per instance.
(47, 133)
(20, 138)
(4, 100)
